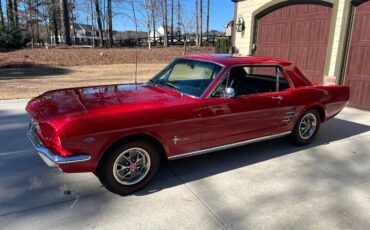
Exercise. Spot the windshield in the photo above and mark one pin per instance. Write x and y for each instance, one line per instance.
(187, 76)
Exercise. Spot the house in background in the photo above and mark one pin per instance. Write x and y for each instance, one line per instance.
(329, 40)
(229, 28)
(80, 32)
(159, 32)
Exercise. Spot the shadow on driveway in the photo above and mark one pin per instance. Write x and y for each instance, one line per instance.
(197, 167)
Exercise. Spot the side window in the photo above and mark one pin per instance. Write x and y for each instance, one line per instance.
(247, 80)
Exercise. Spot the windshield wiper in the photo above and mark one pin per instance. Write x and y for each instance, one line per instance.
(172, 85)
(153, 81)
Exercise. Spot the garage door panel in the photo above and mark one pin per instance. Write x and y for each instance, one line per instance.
(365, 32)
(358, 66)
(280, 14)
(277, 33)
(360, 94)
(302, 30)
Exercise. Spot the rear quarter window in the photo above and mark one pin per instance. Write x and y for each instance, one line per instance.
(297, 77)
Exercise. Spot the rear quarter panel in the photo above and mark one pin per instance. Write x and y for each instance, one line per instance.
(332, 99)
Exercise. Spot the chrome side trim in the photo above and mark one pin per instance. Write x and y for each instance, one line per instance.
(222, 147)
(49, 158)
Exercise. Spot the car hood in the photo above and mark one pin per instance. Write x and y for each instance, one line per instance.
(79, 101)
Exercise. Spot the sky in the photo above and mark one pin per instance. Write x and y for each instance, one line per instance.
(221, 11)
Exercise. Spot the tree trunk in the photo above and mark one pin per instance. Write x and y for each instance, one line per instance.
(72, 2)
(66, 30)
(165, 25)
(92, 23)
(135, 21)
(45, 17)
(201, 23)
(98, 19)
(37, 22)
(9, 13)
(184, 50)
(30, 21)
(16, 18)
(171, 21)
(110, 23)
(197, 23)
(208, 5)
(152, 6)
(55, 22)
(179, 17)
(2, 23)
(146, 6)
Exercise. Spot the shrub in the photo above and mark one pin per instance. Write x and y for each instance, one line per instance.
(223, 45)
(13, 38)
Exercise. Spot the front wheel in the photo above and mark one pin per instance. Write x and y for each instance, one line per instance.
(306, 128)
(128, 168)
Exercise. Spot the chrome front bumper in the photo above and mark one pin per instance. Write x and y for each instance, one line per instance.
(49, 158)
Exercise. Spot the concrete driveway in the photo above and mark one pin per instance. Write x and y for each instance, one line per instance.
(269, 185)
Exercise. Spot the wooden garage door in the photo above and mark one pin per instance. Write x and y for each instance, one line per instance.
(298, 33)
(358, 67)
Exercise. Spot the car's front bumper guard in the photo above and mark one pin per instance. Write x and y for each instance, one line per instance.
(49, 158)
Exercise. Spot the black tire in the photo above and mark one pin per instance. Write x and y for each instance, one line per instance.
(107, 176)
(296, 137)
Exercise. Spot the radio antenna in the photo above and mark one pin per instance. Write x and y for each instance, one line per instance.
(136, 67)
(137, 41)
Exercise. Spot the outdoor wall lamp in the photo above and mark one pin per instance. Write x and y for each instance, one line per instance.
(240, 24)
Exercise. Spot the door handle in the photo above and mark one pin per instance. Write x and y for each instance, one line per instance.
(280, 98)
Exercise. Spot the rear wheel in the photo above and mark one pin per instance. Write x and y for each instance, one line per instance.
(306, 128)
(128, 168)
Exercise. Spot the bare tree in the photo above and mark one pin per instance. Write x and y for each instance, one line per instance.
(178, 14)
(201, 23)
(171, 21)
(208, 6)
(65, 22)
(72, 7)
(197, 23)
(110, 23)
(15, 9)
(153, 6)
(187, 26)
(135, 21)
(10, 13)
(165, 25)
(36, 20)
(54, 19)
(2, 22)
(45, 17)
(99, 21)
(92, 23)
(148, 22)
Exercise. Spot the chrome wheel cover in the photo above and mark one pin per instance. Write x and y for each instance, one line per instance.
(307, 126)
(131, 166)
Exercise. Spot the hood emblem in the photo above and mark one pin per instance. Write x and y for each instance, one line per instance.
(178, 139)
(89, 139)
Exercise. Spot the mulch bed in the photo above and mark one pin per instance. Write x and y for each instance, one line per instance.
(83, 56)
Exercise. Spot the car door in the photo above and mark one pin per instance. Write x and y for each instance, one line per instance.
(243, 117)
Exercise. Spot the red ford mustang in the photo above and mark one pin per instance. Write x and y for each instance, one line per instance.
(197, 104)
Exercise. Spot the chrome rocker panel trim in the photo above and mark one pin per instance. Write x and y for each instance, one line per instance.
(222, 147)
(47, 156)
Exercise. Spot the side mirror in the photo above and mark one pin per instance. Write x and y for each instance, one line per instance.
(229, 92)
